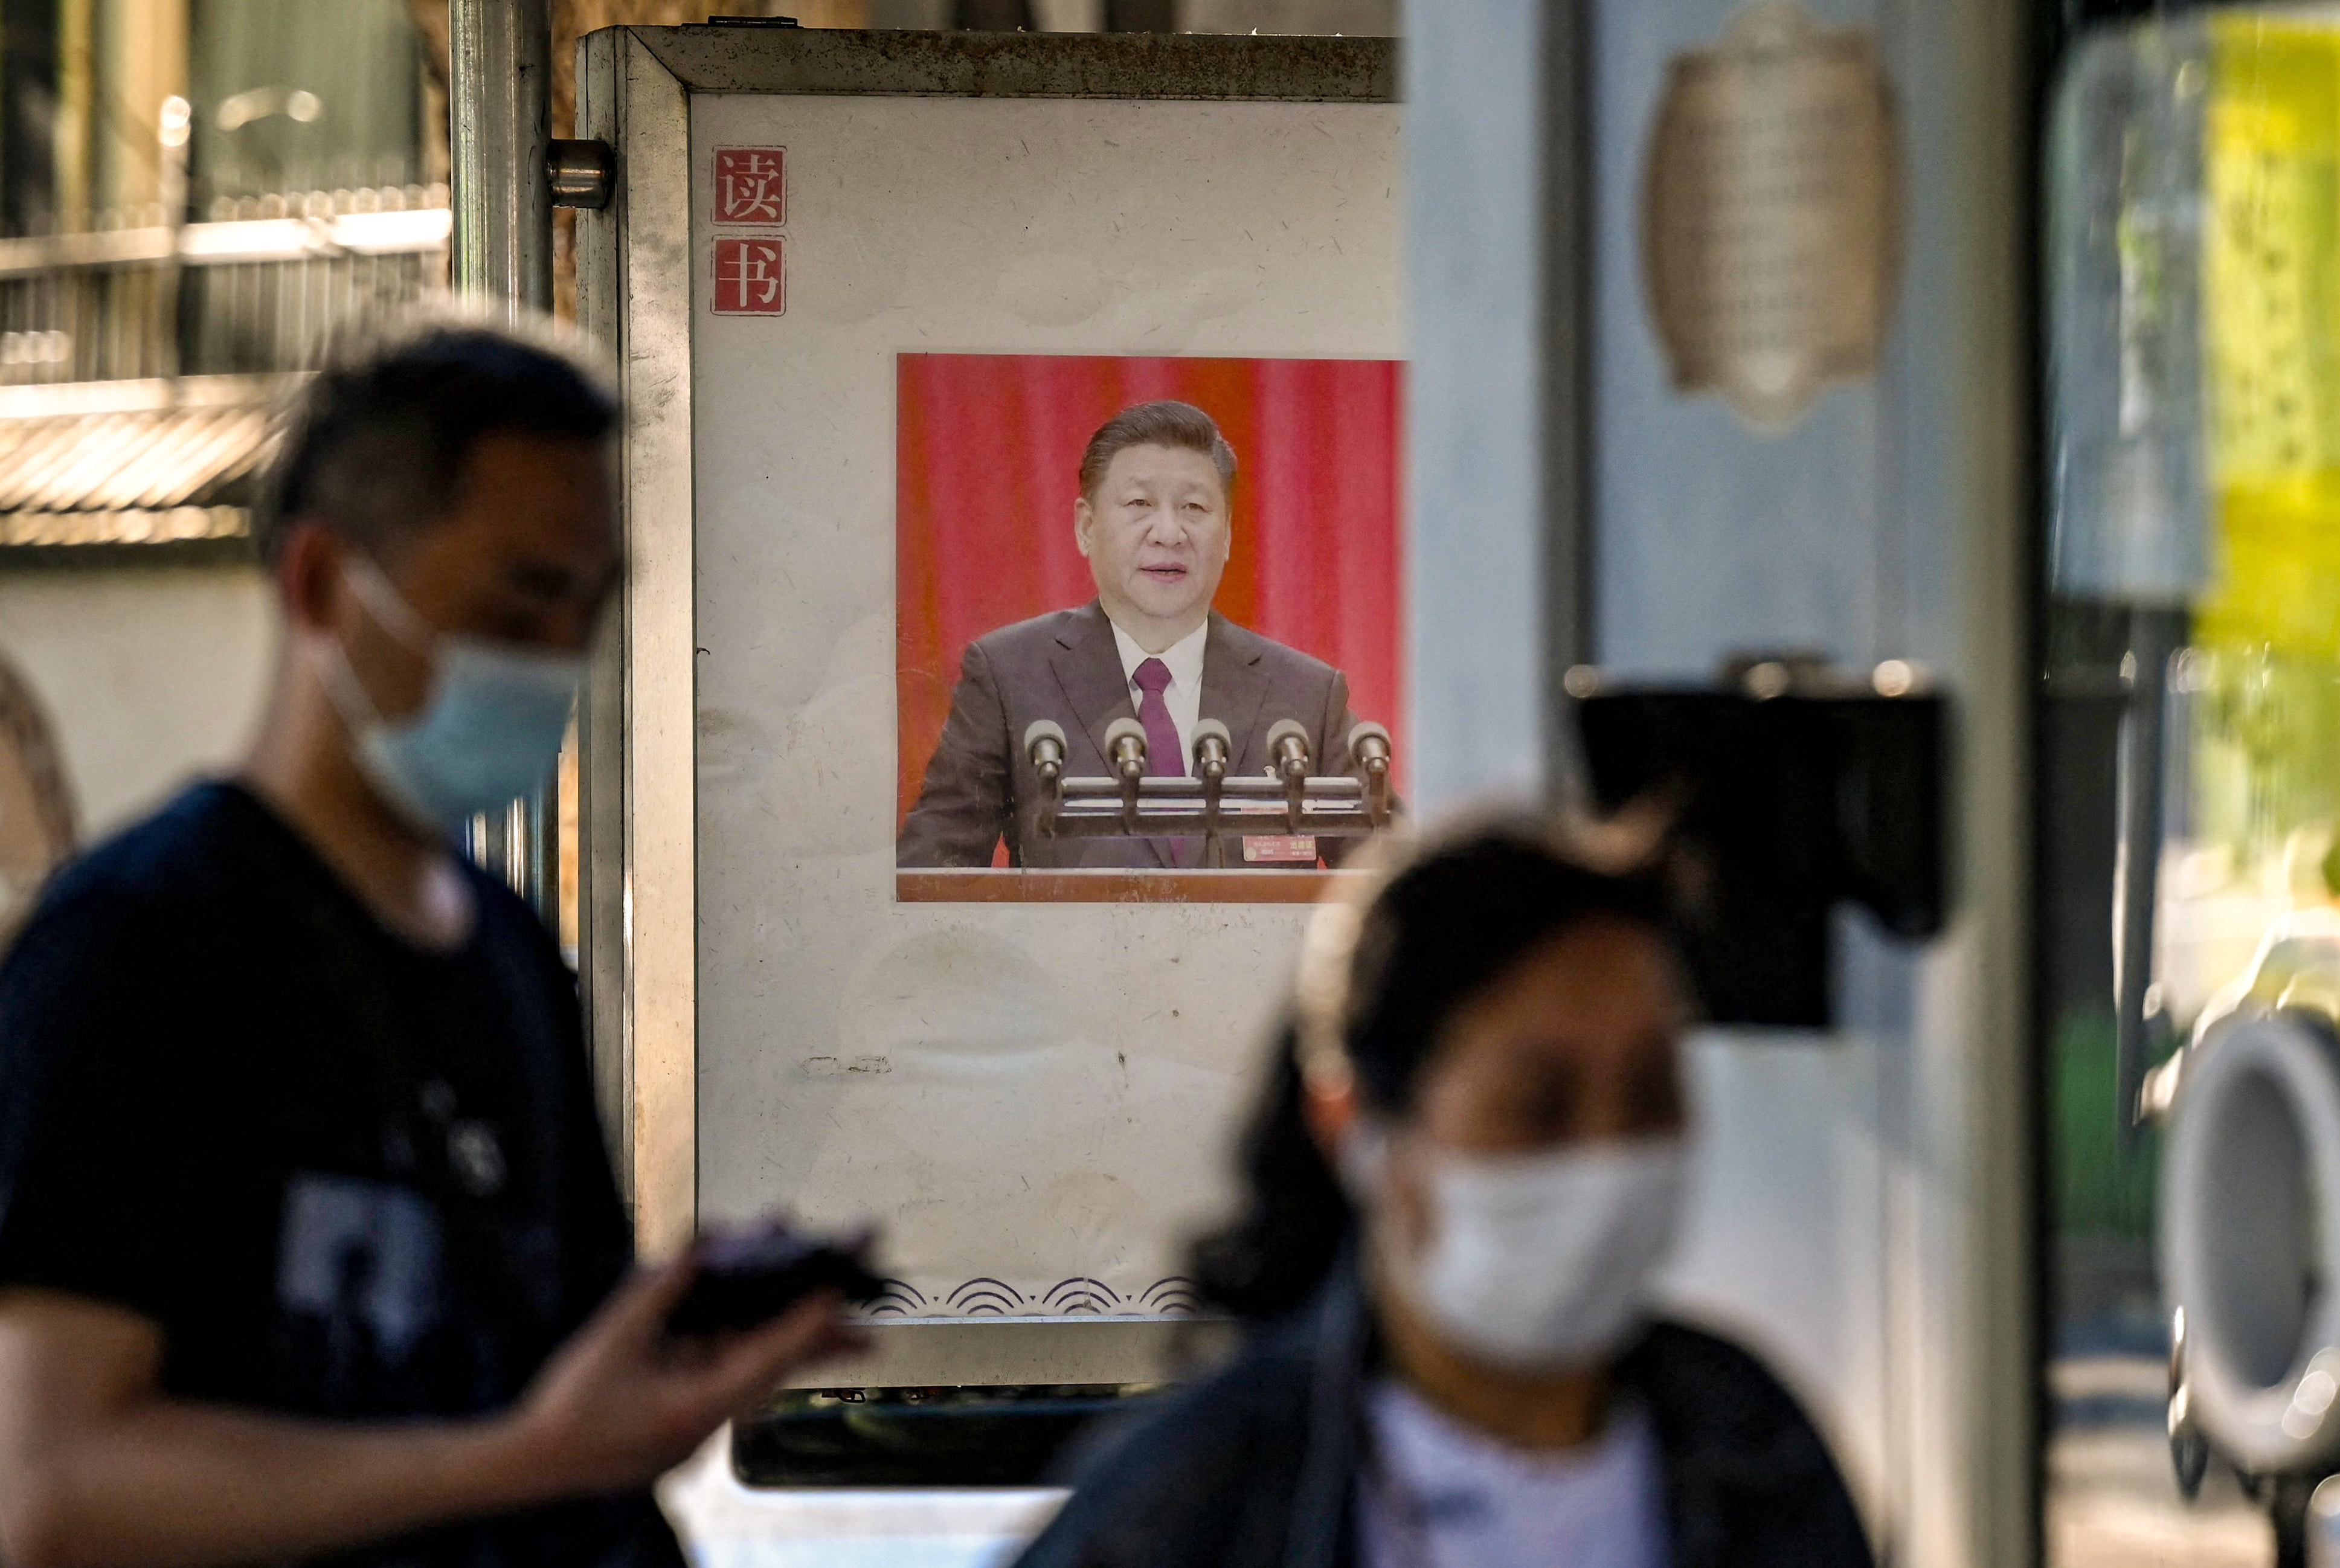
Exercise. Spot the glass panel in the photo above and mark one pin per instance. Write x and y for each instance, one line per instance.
(323, 95)
(2190, 759)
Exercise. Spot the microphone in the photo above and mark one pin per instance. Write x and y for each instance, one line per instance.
(1369, 753)
(1125, 748)
(1043, 743)
(1287, 743)
(1214, 748)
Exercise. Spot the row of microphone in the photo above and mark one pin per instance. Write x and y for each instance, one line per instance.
(1368, 748)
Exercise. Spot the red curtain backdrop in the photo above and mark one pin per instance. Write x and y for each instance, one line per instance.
(988, 455)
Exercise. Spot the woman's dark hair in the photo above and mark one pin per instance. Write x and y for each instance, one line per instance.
(1440, 930)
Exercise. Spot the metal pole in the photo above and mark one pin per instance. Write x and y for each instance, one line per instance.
(2154, 638)
(500, 102)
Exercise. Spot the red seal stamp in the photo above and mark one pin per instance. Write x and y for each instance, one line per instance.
(751, 185)
(750, 279)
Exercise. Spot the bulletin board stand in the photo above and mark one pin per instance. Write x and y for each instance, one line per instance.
(639, 809)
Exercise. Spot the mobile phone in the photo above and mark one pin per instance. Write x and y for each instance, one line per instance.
(747, 1277)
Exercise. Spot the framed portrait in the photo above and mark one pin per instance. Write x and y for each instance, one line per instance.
(1088, 539)
(879, 299)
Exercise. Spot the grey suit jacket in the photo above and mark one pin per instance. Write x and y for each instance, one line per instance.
(980, 787)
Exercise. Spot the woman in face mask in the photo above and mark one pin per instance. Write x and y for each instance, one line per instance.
(1467, 1166)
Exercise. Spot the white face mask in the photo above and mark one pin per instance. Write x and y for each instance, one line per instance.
(1536, 1260)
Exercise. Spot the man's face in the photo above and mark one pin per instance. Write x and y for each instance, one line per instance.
(527, 554)
(1156, 536)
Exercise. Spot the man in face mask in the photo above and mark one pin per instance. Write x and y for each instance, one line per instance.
(308, 1243)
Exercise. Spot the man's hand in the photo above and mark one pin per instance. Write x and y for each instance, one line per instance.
(100, 1468)
(621, 1403)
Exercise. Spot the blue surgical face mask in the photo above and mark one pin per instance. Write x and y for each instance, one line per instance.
(489, 729)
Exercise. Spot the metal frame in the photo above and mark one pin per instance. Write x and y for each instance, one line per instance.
(637, 810)
(639, 872)
(1570, 564)
(1135, 807)
(893, 64)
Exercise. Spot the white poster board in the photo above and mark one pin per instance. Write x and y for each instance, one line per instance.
(1033, 1100)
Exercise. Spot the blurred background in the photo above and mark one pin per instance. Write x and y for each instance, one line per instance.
(2189, 724)
(193, 193)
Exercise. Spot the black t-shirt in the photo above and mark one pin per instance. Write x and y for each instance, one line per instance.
(350, 1178)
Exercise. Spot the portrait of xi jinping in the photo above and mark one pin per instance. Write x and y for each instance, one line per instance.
(1153, 522)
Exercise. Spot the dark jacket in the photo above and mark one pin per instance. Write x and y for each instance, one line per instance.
(1064, 666)
(1255, 1467)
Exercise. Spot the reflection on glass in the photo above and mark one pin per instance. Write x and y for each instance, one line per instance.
(2191, 741)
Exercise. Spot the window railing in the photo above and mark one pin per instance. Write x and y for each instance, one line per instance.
(259, 286)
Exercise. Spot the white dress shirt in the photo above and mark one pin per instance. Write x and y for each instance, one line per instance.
(1182, 696)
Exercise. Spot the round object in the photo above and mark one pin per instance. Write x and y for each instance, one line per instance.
(1122, 729)
(1047, 730)
(2250, 1189)
(583, 175)
(2324, 1524)
(37, 817)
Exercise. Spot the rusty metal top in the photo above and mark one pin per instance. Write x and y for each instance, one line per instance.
(810, 60)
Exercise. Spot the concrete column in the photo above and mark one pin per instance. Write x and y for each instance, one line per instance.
(1493, 560)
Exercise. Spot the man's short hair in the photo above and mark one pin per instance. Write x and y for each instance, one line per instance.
(374, 446)
(1179, 425)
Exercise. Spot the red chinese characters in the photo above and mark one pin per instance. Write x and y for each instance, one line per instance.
(750, 279)
(751, 185)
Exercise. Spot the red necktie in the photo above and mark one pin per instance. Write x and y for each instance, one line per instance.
(1165, 758)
